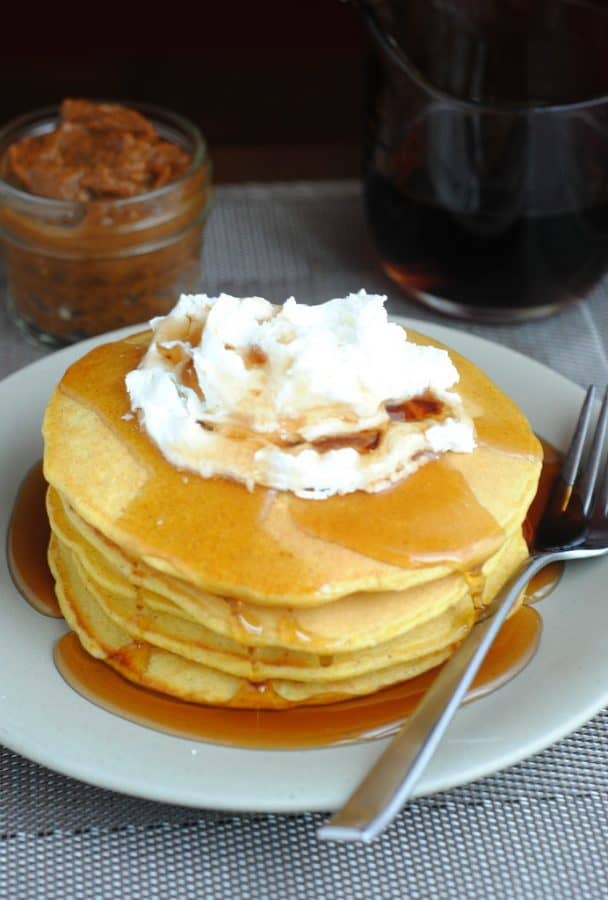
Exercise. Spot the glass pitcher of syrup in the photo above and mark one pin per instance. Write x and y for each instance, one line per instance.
(486, 179)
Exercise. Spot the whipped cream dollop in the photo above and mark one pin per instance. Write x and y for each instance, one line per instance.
(317, 400)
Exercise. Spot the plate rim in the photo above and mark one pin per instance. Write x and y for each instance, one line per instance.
(119, 777)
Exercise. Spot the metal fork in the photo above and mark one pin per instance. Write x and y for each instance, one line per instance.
(574, 525)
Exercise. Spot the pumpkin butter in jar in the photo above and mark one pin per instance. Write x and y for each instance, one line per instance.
(102, 211)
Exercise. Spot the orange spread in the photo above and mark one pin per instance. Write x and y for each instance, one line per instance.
(97, 151)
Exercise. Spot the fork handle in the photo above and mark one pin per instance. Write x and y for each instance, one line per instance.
(390, 782)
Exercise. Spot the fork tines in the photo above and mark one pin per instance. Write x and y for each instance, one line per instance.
(589, 484)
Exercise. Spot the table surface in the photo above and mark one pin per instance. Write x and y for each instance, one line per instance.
(539, 829)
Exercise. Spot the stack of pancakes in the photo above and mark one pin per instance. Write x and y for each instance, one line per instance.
(204, 590)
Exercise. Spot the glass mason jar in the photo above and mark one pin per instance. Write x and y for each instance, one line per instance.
(75, 269)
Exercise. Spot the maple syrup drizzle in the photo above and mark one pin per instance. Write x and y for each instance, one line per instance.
(423, 407)
(308, 726)
(210, 517)
(359, 719)
(374, 525)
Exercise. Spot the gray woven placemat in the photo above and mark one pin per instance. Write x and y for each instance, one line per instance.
(538, 830)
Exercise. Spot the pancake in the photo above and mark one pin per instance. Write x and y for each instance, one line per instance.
(372, 617)
(156, 667)
(193, 641)
(216, 594)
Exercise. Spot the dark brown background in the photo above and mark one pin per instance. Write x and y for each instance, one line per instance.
(277, 87)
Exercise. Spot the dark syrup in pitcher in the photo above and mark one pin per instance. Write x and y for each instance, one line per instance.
(486, 185)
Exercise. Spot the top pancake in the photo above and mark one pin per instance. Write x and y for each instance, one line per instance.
(267, 546)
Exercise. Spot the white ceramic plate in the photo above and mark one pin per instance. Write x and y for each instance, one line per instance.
(44, 719)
